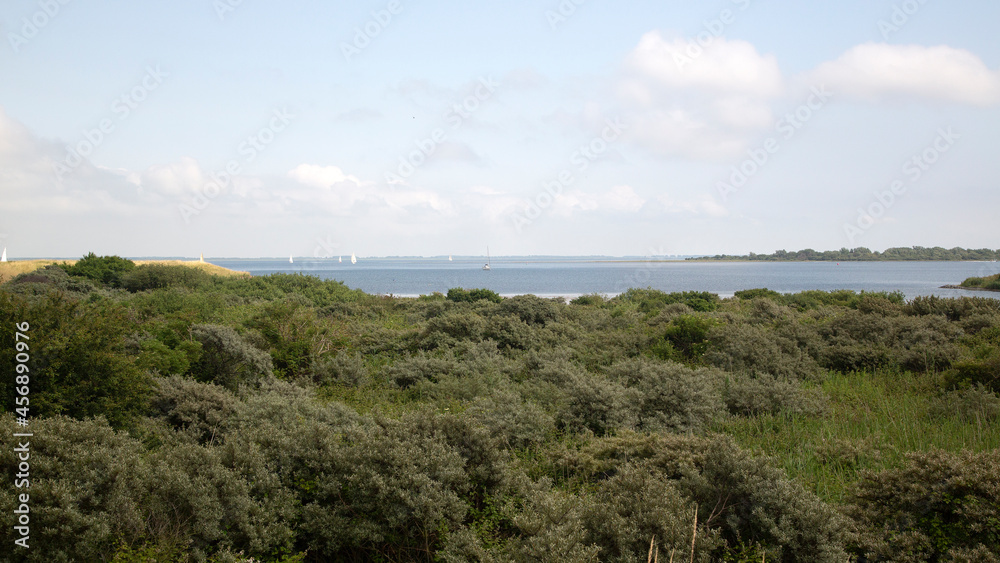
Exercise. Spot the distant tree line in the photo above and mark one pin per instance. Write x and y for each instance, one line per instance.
(916, 253)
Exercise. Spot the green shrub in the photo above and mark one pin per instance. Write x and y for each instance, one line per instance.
(517, 423)
(49, 278)
(937, 507)
(670, 396)
(530, 309)
(78, 364)
(107, 270)
(345, 369)
(651, 300)
(227, 359)
(760, 293)
(756, 350)
(752, 395)
(637, 506)
(157, 276)
(591, 299)
(689, 334)
(202, 409)
(460, 295)
(450, 328)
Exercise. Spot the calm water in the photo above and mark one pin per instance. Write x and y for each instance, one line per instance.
(573, 277)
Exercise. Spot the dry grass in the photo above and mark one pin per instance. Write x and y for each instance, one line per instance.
(9, 270)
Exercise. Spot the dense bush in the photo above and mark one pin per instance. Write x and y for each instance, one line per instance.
(78, 362)
(227, 359)
(938, 507)
(107, 270)
(460, 295)
(44, 280)
(669, 396)
(157, 276)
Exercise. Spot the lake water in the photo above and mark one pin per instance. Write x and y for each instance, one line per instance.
(571, 277)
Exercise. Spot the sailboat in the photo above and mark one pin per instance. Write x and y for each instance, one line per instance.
(354, 259)
(290, 261)
(449, 258)
(3, 258)
(340, 259)
(486, 266)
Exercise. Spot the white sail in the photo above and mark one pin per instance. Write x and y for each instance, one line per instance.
(340, 259)
(3, 258)
(354, 259)
(449, 257)
(290, 261)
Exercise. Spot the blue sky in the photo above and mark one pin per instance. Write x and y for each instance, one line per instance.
(544, 127)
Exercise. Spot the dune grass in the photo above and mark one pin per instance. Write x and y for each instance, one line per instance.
(988, 282)
(873, 421)
(9, 270)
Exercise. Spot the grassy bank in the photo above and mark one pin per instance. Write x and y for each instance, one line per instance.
(991, 283)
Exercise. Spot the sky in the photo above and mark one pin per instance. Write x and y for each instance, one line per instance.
(245, 128)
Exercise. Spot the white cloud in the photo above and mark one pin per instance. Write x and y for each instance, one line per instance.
(723, 66)
(177, 179)
(619, 199)
(700, 102)
(878, 71)
(321, 176)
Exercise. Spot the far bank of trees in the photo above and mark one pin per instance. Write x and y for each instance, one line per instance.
(916, 253)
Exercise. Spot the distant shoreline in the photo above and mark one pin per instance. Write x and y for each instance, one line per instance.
(969, 288)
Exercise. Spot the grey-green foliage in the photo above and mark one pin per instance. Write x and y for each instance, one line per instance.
(227, 359)
(518, 423)
(344, 369)
(937, 507)
(45, 279)
(421, 366)
(530, 309)
(93, 487)
(396, 488)
(638, 504)
(752, 348)
(973, 404)
(744, 499)
(582, 401)
(754, 502)
(199, 408)
(668, 395)
(551, 527)
(755, 394)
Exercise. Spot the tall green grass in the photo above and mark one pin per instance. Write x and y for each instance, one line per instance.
(873, 421)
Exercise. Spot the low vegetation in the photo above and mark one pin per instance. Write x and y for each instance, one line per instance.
(864, 254)
(180, 416)
(989, 282)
